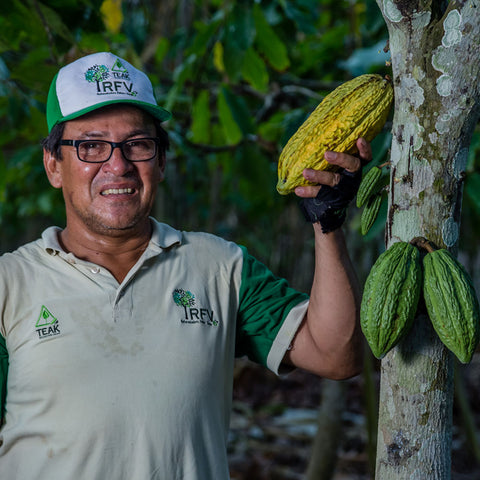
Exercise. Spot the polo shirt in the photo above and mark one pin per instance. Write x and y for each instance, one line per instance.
(132, 380)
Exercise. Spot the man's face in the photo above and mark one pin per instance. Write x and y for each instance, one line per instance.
(112, 198)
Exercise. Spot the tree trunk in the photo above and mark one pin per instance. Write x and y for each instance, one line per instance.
(435, 52)
(325, 445)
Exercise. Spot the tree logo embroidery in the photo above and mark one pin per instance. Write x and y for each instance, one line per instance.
(97, 73)
(192, 314)
(111, 81)
(47, 325)
(183, 298)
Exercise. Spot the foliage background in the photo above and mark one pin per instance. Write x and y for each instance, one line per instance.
(239, 78)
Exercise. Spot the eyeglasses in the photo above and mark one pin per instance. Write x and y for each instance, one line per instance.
(100, 151)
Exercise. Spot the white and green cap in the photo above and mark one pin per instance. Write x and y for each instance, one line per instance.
(96, 81)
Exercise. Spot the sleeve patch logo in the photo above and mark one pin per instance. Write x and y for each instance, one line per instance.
(47, 325)
(193, 314)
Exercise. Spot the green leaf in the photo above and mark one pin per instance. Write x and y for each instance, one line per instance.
(35, 71)
(205, 32)
(254, 71)
(200, 128)
(240, 112)
(161, 50)
(4, 72)
(232, 56)
(272, 128)
(20, 26)
(268, 43)
(241, 24)
(256, 178)
(472, 189)
(55, 23)
(94, 41)
(218, 57)
(183, 72)
(303, 13)
(364, 60)
(239, 35)
(231, 130)
(474, 151)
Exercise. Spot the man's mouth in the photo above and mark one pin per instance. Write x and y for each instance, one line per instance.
(118, 191)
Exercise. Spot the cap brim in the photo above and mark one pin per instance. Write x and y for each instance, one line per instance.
(154, 110)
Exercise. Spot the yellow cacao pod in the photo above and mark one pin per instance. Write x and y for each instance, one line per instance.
(357, 108)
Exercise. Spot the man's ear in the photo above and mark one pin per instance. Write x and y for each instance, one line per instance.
(52, 168)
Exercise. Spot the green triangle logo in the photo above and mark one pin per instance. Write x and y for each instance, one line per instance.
(118, 67)
(45, 318)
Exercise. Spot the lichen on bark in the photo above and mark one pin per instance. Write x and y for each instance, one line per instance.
(435, 52)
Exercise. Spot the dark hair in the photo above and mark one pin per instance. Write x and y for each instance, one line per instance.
(52, 142)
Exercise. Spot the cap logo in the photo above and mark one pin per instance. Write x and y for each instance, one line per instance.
(97, 73)
(111, 81)
(98, 80)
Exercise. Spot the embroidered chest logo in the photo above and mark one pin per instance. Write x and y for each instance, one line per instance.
(114, 80)
(47, 325)
(192, 313)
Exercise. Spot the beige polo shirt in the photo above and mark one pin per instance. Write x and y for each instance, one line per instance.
(133, 380)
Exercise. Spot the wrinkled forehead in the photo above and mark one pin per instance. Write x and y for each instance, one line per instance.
(119, 110)
(121, 118)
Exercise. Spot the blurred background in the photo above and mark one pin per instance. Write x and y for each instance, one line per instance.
(239, 77)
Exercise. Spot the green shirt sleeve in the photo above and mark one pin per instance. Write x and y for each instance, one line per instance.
(265, 301)
(3, 376)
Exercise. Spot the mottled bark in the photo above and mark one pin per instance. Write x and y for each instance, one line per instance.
(435, 51)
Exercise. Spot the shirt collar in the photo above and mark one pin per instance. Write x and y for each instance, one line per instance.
(50, 240)
(163, 236)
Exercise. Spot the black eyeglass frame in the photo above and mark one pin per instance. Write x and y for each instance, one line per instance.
(113, 145)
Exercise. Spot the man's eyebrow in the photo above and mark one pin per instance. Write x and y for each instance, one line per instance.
(93, 134)
(141, 131)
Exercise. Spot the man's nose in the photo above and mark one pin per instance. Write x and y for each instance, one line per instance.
(117, 163)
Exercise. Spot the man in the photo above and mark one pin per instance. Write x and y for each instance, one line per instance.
(118, 333)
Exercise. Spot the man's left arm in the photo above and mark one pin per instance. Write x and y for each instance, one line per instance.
(329, 341)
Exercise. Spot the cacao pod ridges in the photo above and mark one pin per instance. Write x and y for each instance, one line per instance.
(390, 299)
(357, 108)
(368, 185)
(373, 182)
(452, 304)
(370, 213)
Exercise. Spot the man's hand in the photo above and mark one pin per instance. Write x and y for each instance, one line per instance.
(327, 202)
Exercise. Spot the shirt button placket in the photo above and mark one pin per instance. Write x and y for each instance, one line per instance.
(122, 309)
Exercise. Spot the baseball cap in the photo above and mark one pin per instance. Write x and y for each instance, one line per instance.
(95, 81)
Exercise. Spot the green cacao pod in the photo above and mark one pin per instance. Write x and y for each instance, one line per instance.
(370, 213)
(452, 304)
(357, 108)
(371, 182)
(390, 297)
